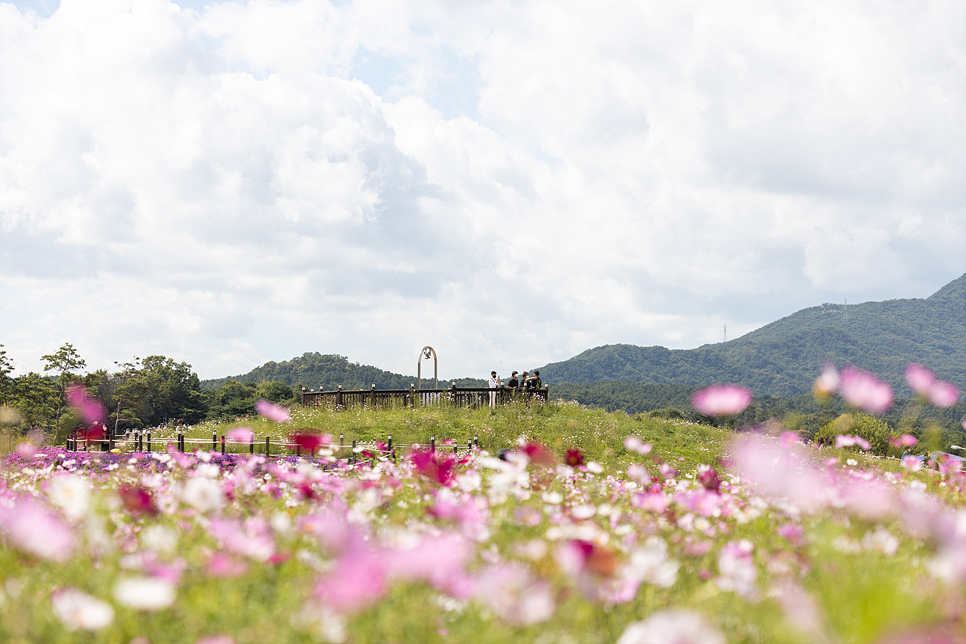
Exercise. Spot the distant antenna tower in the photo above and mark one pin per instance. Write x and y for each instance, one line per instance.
(726, 333)
(845, 316)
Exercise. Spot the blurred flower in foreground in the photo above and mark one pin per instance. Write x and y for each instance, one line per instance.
(144, 593)
(272, 411)
(91, 410)
(906, 440)
(863, 390)
(33, 528)
(827, 383)
(538, 454)
(310, 441)
(844, 440)
(78, 610)
(71, 494)
(924, 383)
(574, 458)
(514, 594)
(137, 500)
(674, 626)
(240, 434)
(721, 400)
(636, 445)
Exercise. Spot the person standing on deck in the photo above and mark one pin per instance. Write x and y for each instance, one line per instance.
(493, 384)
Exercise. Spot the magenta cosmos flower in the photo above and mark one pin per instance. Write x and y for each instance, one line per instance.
(272, 411)
(863, 390)
(721, 400)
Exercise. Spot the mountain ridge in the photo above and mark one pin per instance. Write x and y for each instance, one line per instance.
(784, 357)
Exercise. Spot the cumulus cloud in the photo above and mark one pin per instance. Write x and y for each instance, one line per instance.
(243, 181)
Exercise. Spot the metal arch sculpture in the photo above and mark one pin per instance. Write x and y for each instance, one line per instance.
(427, 352)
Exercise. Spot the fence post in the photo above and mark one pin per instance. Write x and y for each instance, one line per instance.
(214, 441)
(268, 445)
(476, 441)
(372, 402)
(251, 444)
(223, 445)
(298, 450)
(412, 395)
(454, 449)
(338, 396)
(149, 442)
(469, 445)
(353, 455)
(432, 443)
(389, 444)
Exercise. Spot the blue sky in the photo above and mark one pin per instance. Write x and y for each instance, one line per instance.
(228, 183)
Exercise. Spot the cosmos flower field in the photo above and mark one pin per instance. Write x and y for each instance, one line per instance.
(617, 530)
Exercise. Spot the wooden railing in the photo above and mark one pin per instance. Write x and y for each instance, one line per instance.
(139, 441)
(412, 397)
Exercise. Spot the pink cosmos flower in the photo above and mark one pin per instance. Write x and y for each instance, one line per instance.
(911, 463)
(272, 411)
(33, 528)
(90, 409)
(906, 440)
(216, 639)
(358, 580)
(515, 595)
(636, 445)
(845, 440)
(863, 390)
(434, 466)
(781, 472)
(240, 434)
(788, 439)
(721, 400)
(924, 383)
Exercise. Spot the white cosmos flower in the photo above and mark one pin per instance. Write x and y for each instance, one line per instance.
(159, 538)
(78, 610)
(144, 593)
(71, 494)
(673, 626)
(203, 494)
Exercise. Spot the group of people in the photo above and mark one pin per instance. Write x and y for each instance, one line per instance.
(526, 382)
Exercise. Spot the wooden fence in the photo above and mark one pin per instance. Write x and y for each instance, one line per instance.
(141, 441)
(412, 397)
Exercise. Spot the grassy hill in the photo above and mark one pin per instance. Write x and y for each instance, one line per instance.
(784, 357)
(314, 370)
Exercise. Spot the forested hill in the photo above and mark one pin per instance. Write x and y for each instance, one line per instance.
(314, 370)
(784, 357)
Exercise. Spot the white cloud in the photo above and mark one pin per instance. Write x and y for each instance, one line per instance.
(510, 182)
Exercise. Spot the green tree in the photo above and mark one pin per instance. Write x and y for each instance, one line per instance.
(67, 362)
(173, 391)
(6, 368)
(875, 431)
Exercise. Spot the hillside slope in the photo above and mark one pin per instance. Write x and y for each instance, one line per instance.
(784, 357)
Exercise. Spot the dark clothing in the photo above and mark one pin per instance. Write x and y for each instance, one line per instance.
(513, 384)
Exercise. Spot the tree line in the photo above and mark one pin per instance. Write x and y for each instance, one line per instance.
(146, 392)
